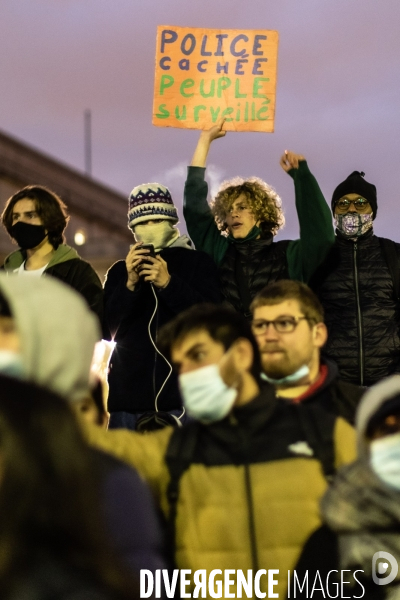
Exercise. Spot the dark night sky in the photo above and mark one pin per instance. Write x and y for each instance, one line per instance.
(338, 92)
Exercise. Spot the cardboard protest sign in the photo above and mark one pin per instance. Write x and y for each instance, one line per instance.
(205, 74)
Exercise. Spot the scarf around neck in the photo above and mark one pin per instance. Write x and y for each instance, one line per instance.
(252, 235)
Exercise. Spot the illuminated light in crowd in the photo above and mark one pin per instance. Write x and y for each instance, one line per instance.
(80, 237)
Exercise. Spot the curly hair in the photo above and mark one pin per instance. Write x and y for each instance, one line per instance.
(49, 207)
(265, 204)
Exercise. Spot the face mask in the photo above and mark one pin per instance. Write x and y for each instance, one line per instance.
(292, 378)
(161, 234)
(206, 397)
(385, 459)
(353, 224)
(28, 236)
(11, 364)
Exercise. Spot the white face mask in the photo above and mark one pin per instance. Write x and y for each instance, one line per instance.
(353, 224)
(385, 459)
(11, 364)
(292, 378)
(161, 234)
(206, 397)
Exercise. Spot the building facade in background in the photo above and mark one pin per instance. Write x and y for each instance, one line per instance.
(98, 225)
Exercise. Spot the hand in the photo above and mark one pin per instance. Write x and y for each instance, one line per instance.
(203, 145)
(215, 132)
(156, 272)
(290, 160)
(132, 261)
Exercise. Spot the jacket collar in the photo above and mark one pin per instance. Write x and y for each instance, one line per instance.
(253, 246)
(361, 239)
(265, 239)
(251, 417)
(333, 373)
(62, 254)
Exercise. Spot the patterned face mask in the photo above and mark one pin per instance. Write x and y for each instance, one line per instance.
(353, 224)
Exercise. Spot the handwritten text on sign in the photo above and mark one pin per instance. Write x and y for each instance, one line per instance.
(205, 74)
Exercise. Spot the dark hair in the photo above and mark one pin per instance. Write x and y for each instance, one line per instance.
(49, 207)
(48, 494)
(286, 289)
(224, 325)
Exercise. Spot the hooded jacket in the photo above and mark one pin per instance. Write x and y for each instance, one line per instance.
(360, 507)
(57, 333)
(249, 497)
(137, 370)
(67, 266)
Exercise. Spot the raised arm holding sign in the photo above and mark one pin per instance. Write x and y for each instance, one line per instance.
(248, 213)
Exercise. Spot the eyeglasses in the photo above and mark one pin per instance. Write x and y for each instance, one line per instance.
(282, 325)
(360, 204)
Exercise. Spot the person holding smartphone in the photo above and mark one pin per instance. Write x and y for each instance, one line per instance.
(161, 276)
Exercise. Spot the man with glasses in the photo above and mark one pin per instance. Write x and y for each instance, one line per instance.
(357, 285)
(288, 323)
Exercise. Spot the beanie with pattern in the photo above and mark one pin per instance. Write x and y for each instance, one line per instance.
(150, 201)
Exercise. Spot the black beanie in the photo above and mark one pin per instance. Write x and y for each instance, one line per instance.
(356, 184)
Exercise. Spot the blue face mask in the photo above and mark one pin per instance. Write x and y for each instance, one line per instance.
(292, 378)
(206, 397)
(385, 459)
(11, 364)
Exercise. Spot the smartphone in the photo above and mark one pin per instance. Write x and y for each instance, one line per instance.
(151, 253)
(149, 247)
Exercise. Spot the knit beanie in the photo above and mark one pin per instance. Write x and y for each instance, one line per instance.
(150, 201)
(356, 184)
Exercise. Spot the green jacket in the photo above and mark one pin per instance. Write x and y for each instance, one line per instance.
(315, 219)
(67, 266)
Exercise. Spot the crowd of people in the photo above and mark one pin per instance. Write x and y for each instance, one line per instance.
(250, 419)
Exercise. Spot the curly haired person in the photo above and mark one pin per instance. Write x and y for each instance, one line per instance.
(238, 227)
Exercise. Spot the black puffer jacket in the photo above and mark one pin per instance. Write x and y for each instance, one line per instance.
(262, 262)
(356, 289)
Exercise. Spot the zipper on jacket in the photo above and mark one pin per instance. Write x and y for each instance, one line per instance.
(252, 528)
(249, 496)
(359, 321)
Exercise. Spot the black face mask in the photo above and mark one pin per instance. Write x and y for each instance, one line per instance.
(28, 236)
